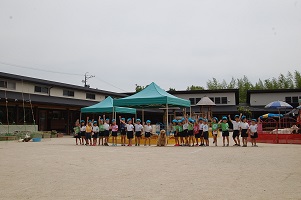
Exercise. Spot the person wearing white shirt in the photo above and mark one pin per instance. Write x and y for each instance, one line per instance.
(129, 131)
(253, 132)
(95, 131)
(138, 132)
(236, 129)
(244, 127)
(206, 132)
(83, 131)
(148, 131)
(185, 131)
(106, 126)
(201, 124)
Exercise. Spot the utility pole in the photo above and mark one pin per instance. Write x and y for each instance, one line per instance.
(86, 79)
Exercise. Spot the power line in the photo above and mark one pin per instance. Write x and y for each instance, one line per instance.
(50, 71)
(43, 70)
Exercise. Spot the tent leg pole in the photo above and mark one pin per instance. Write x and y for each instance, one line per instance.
(166, 118)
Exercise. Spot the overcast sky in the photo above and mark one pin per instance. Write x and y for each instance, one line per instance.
(174, 43)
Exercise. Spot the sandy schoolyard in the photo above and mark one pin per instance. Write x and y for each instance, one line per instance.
(58, 169)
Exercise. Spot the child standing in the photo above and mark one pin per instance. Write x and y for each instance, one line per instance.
(206, 132)
(106, 126)
(88, 132)
(253, 132)
(148, 131)
(130, 131)
(244, 127)
(185, 131)
(214, 125)
(77, 133)
(236, 129)
(190, 132)
(122, 130)
(201, 131)
(83, 131)
(180, 132)
(95, 132)
(114, 128)
(175, 130)
(225, 130)
(101, 131)
(196, 131)
(138, 131)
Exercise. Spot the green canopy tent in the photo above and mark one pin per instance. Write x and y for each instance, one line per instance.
(152, 97)
(107, 106)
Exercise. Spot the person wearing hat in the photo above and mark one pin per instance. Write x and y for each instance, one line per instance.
(244, 128)
(107, 130)
(95, 132)
(214, 126)
(185, 131)
(89, 132)
(114, 128)
(201, 124)
(206, 132)
(147, 132)
(138, 132)
(236, 129)
(190, 132)
(130, 131)
(76, 130)
(101, 131)
(180, 132)
(253, 131)
(82, 131)
(225, 129)
(122, 128)
(175, 129)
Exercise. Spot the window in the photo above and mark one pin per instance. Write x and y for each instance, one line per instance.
(294, 99)
(90, 96)
(212, 99)
(224, 100)
(217, 100)
(41, 89)
(68, 93)
(192, 101)
(8, 84)
(197, 100)
(288, 99)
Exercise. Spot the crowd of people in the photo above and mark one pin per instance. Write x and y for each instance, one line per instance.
(186, 131)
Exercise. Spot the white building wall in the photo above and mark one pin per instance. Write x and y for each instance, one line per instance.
(262, 99)
(230, 96)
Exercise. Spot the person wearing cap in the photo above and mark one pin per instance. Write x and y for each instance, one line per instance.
(225, 129)
(244, 128)
(175, 130)
(122, 128)
(147, 132)
(114, 128)
(236, 128)
(214, 126)
(89, 132)
(196, 132)
(138, 132)
(180, 132)
(107, 130)
(77, 134)
(253, 132)
(190, 132)
(201, 124)
(83, 131)
(206, 132)
(185, 131)
(101, 131)
(95, 132)
(130, 131)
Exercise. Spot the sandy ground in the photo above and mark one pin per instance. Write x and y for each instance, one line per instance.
(58, 169)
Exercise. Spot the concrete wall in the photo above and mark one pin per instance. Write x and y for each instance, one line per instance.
(12, 128)
(262, 99)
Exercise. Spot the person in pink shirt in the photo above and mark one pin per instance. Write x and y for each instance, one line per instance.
(114, 128)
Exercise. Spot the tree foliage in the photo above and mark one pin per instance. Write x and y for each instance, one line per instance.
(194, 87)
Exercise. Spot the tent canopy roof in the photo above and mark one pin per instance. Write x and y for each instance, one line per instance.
(152, 96)
(106, 106)
(205, 101)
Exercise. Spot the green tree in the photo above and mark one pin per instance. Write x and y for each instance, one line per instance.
(171, 89)
(194, 87)
(297, 80)
(139, 88)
